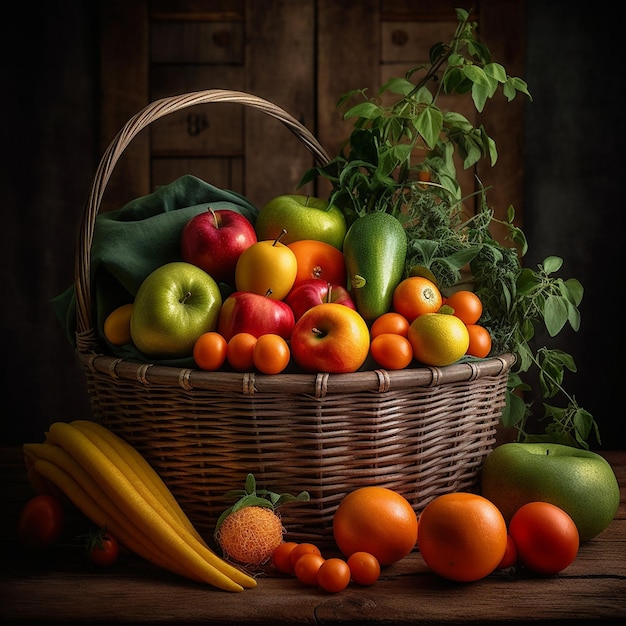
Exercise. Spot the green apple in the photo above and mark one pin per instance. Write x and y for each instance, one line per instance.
(581, 482)
(174, 305)
(303, 217)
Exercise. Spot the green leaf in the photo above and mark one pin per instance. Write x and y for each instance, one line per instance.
(480, 94)
(552, 264)
(368, 110)
(496, 71)
(555, 314)
(400, 86)
(476, 75)
(429, 124)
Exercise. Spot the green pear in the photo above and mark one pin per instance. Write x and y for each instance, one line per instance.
(174, 305)
(303, 217)
(580, 482)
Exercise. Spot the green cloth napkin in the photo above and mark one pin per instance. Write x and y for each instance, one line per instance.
(128, 244)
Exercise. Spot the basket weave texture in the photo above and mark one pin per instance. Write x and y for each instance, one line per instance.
(422, 432)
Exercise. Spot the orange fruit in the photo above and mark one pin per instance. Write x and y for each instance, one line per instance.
(117, 325)
(510, 554)
(462, 536)
(467, 306)
(301, 549)
(318, 259)
(479, 341)
(393, 352)
(209, 351)
(390, 322)
(438, 339)
(415, 296)
(270, 354)
(377, 520)
(239, 352)
(545, 536)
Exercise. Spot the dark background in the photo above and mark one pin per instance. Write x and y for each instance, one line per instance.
(573, 196)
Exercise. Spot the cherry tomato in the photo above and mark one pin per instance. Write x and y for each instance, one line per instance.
(41, 522)
(333, 575)
(300, 549)
(364, 568)
(307, 567)
(102, 549)
(280, 557)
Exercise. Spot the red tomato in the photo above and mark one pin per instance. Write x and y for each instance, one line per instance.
(41, 522)
(280, 557)
(102, 549)
(300, 549)
(545, 536)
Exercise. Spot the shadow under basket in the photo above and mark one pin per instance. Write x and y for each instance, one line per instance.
(422, 432)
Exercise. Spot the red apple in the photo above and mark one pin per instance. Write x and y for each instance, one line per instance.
(330, 338)
(214, 239)
(247, 312)
(307, 293)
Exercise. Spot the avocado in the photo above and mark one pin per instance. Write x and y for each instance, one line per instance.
(374, 249)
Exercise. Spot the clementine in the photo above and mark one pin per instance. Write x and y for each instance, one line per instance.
(462, 536)
(376, 520)
(209, 351)
(415, 296)
(391, 351)
(117, 325)
(390, 322)
(318, 259)
(466, 304)
(479, 341)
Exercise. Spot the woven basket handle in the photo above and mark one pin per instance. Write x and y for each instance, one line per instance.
(86, 334)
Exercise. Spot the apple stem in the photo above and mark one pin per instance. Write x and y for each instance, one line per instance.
(185, 298)
(217, 224)
(317, 331)
(283, 232)
(269, 292)
(329, 293)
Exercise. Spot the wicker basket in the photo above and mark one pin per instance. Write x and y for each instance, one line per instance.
(422, 432)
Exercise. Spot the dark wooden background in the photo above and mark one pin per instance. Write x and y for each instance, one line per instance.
(573, 199)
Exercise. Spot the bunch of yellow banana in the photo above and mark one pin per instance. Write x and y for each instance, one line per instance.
(117, 489)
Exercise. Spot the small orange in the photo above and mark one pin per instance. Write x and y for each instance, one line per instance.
(301, 549)
(390, 322)
(209, 351)
(270, 354)
(393, 352)
(438, 339)
(479, 341)
(467, 306)
(415, 296)
(333, 575)
(318, 259)
(117, 325)
(462, 536)
(239, 352)
(377, 520)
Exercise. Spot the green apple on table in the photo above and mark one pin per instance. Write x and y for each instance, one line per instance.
(581, 482)
(303, 217)
(173, 306)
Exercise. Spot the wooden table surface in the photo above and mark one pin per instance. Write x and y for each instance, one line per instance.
(61, 588)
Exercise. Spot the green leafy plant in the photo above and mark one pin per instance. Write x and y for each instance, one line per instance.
(400, 158)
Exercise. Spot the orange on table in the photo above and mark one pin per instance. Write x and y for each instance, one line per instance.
(318, 259)
(391, 351)
(390, 322)
(479, 341)
(239, 352)
(364, 568)
(209, 351)
(301, 549)
(415, 296)
(280, 557)
(117, 325)
(462, 536)
(377, 520)
(466, 304)
(271, 354)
